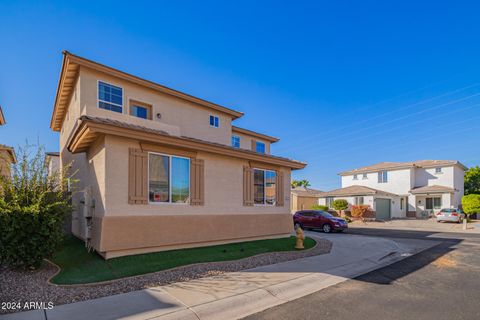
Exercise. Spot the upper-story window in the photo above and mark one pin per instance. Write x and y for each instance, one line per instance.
(110, 97)
(438, 170)
(214, 121)
(382, 176)
(260, 147)
(140, 110)
(365, 176)
(236, 141)
(355, 177)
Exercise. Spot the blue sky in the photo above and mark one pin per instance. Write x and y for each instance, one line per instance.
(343, 84)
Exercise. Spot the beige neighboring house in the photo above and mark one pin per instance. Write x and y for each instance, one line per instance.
(52, 163)
(7, 154)
(303, 198)
(403, 189)
(159, 169)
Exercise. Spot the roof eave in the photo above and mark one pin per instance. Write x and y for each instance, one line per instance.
(2, 117)
(255, 134)
(88, 130)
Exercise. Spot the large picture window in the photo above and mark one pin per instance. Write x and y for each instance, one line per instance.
(168, 179)
(264, 186)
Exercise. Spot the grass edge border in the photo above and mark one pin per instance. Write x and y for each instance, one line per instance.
(90, 284)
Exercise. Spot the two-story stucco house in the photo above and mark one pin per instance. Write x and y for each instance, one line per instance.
(402, 189)
(160, 169)
(7, 154)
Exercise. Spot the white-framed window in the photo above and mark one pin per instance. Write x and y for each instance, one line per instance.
(110, 97)
(328, 201)
(382, 176)
(259, 147)
(438, 170)
(355, 177)
(402, 200)
(168, 178)
(236, 141)
(365, 176)
(433, 203)
(358, 201)
(264, 187)
(214, 121)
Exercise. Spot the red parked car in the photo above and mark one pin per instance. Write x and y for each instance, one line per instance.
(317, 219)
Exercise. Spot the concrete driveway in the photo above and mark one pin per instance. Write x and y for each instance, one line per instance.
(420, 225)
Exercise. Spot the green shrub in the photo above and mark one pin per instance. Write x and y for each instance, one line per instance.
(32, 210)
(471, 203)
(340, 204)
(319, 207)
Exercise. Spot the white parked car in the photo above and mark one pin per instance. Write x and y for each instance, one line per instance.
(452, 215)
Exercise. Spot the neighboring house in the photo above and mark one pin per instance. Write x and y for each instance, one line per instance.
(303, 198)
(403, 189)
(7, 154)
(52, 162)
(159, 169)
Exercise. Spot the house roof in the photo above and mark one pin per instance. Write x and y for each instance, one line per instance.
(2, 117)
(52, 154)
(403, 165)
(356, 190)
(68, 75)
(306, 192)
(89, 128)
(254, 134)
(10, 151)
(432, 189)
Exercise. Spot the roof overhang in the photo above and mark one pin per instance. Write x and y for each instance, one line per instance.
(2, 117)
(69, 73)
(89, 129)
(11, 153)
(255, 134)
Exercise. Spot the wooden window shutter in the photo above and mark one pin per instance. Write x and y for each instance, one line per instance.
(247, 186)
(197, 182)
(254, 145)
(137, 176)
(280, 189)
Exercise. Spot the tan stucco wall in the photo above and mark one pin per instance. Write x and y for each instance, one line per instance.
(126, 234)
(178, 117)
(302, 203)
(223, 185)
(246, 142)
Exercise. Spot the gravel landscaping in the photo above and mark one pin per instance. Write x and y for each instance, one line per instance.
(26, 286)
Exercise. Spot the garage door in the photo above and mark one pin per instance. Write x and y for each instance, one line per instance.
(383, 209)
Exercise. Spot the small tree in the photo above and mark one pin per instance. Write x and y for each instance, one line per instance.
(32, 210)
(300, 183)
(361, 211)
(472, 180)
(471, 204)
(340, 205)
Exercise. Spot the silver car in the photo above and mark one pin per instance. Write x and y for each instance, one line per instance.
(452, 215)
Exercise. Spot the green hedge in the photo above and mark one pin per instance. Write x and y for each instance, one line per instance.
(29, 234)
(32, 211)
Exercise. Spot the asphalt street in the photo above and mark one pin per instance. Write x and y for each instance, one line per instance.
(440, 283)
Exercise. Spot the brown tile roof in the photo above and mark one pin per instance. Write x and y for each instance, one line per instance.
(432, 189)
(306, 192)
(255, 134)
(10, 151)
(294, 164)
(356, 191)
(403, 165)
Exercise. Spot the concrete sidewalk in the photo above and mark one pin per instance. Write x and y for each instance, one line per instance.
(428, 225)
(238, 294)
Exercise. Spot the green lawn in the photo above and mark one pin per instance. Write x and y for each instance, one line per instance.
(78, 266)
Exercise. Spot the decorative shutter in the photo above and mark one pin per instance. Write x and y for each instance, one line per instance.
(137, 176)
(197, 182)
(280, 192)
(254, 145)
(247, 186)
